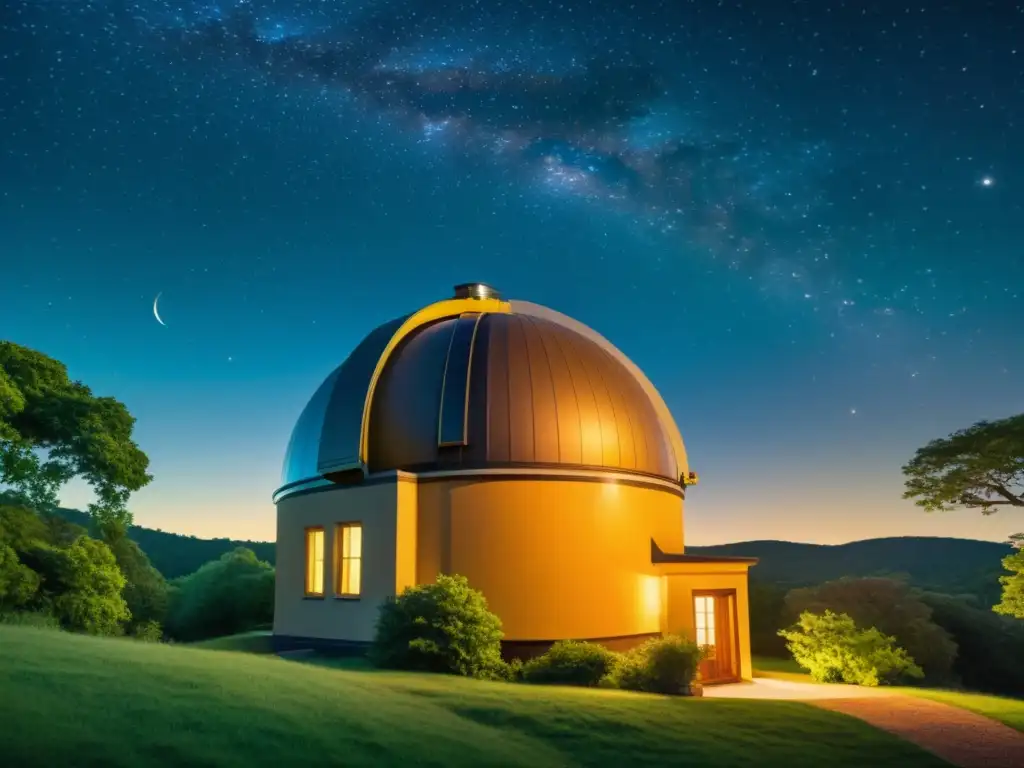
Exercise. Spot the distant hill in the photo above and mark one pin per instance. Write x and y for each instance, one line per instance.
(174, 554)
(950, 566)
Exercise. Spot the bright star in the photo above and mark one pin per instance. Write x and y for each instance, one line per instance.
(987, 181)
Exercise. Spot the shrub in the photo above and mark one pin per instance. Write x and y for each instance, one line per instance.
(148, 631)
(569, 662)
(666, 665)
(440, 627)
(34, 619)
(232, 594)
(832, 648)
(892, 607)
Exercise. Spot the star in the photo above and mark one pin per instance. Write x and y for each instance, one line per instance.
(987, 181)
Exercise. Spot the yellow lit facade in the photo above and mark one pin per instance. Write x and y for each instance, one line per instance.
(514, 446)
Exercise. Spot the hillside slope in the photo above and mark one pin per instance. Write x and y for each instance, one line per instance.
(71, 700)
(174, 554)
(950, 566)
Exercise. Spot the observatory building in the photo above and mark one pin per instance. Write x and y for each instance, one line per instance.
(513, 445)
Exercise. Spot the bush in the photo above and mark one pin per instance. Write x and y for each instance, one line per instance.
(147, 631)
(440, 627)
(666, 665)
(232, 594)
(569, 662)
(892, 607)
(833, 650)
(34, 619)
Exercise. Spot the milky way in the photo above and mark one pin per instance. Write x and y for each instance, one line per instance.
(590, 116)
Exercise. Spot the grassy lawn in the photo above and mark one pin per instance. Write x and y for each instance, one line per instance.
(70, 700)
(1003, 709)
(780, 669)
(246, 642)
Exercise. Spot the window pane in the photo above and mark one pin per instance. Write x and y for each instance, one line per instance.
(701, 636)
(354, 576)
(701, 621)
(354, 546)
(315, 562)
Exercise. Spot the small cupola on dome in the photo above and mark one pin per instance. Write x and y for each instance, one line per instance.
(476, 291)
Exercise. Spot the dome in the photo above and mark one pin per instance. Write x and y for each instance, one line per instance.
(475, 382)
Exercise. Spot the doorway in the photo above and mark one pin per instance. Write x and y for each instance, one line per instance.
(716, 632)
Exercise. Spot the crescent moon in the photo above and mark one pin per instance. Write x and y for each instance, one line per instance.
(156, 312)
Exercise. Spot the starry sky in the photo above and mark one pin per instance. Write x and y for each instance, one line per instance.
(804, 221)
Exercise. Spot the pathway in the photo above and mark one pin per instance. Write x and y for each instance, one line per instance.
(962, 738)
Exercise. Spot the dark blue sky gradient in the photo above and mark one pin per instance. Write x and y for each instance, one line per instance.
(805, 223)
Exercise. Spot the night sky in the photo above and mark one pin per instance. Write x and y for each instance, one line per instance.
(803, 220)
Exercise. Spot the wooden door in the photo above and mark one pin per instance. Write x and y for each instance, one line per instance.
(713, 621)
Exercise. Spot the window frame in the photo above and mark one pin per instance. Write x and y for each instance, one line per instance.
(308, 562)
(341, 559)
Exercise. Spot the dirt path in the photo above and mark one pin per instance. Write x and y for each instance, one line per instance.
(963, 738)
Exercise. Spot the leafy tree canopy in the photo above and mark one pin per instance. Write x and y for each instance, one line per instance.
(53, 429)
(981, 467)
(1012, 603)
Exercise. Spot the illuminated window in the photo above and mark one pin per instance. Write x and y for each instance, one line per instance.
(705, 614)
(350, 563)
(315, 562)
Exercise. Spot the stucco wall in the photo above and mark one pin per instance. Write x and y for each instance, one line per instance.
(555, 558)
(376, 507)
(684, 580)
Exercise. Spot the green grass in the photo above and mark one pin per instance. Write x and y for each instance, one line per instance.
(781, 669)
(82, 701)
(1001, 708)
(246, 642)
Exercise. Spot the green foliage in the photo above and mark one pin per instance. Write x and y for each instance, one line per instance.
(981, 467)
(234, 593)
(18, 583)
(1012, 603)
(146, 591)
(832, 648)
(665, 665)
(147, 631)
(175, 555)
(569, 662)
(84, 585)
(441, 627)
(767, 610)
(33, 619)
(991, 647)
(890, 606)
(53, 429)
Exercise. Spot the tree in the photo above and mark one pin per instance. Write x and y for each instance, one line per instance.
(1012, 603)
(893, 608)
(232, 594)
(84, 586)
(145, 591)
(981, 467)
(53, 429)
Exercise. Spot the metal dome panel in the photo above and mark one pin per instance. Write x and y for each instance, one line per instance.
(540, 394)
